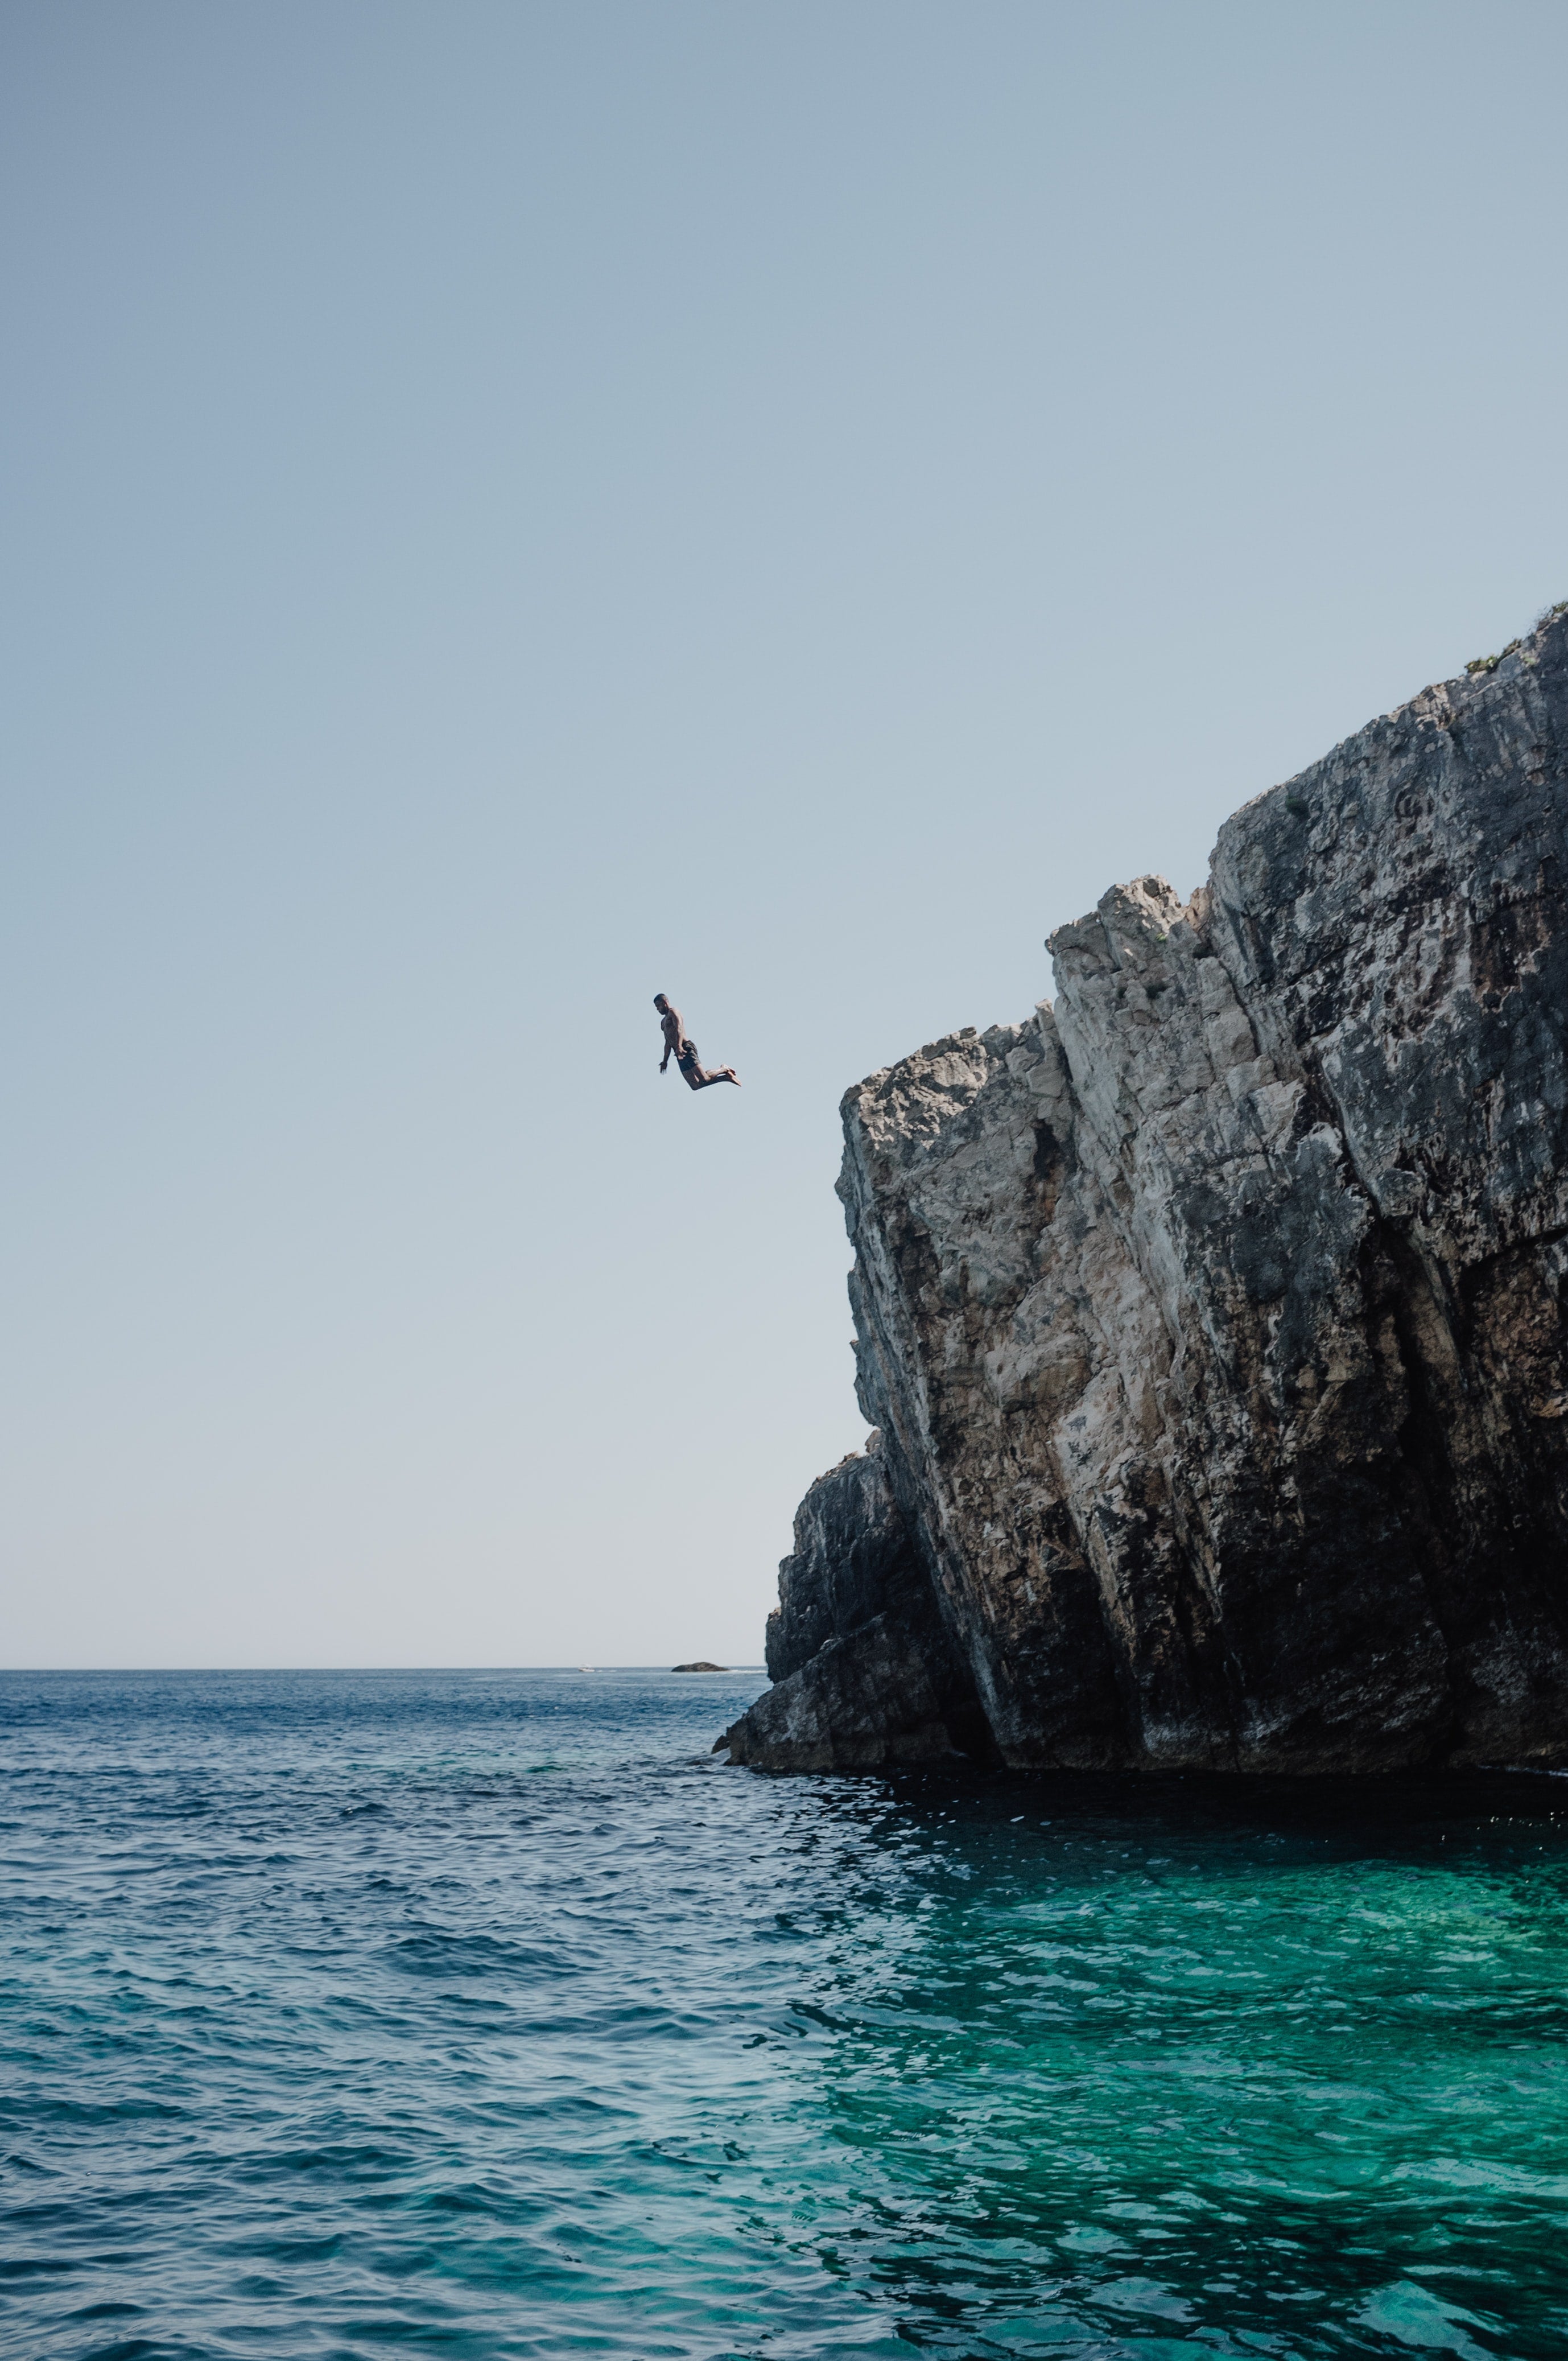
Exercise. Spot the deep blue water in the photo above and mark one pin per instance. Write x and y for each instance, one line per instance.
(484, 2014)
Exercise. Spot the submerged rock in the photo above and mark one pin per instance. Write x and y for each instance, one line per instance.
(701, 1666)
(1212, 1320)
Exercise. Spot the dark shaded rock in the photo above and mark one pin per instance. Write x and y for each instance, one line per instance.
(865, 1672)
(1216, 1319)
(866, 1699)
(703, 1666)
(851, 1551)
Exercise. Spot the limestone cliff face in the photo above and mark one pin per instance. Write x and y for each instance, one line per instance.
(1215, 1320)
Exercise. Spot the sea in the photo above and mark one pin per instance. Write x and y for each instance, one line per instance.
(490, 2014)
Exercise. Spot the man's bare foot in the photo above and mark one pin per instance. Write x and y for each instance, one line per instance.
(731, 1076)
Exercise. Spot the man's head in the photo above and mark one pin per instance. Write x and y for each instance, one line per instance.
(662, 1004)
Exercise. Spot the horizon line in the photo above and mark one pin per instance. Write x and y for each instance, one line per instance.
(63, 1669)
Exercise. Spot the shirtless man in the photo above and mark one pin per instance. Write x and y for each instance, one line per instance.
(684, 1051)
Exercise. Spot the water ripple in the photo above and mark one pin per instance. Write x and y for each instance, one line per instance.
(484, 2015)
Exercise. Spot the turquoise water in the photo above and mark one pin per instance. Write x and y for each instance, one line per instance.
(464, 2015)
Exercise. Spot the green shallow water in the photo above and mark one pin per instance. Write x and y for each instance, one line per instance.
(487, 2014)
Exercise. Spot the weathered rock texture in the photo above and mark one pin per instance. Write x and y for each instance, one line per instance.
(864, 1667)
(1214, 1319)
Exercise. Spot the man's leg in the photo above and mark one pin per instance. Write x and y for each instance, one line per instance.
(698, 1077)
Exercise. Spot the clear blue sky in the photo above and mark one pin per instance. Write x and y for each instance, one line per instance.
(510, 508)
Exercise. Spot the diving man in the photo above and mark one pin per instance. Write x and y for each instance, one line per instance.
(683, 1050)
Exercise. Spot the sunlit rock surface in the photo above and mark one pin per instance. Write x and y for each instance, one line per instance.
(1213, 1318)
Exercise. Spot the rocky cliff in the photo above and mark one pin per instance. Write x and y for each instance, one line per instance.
(1214, 1319)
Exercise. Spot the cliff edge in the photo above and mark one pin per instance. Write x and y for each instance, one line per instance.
(1213, 1321)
